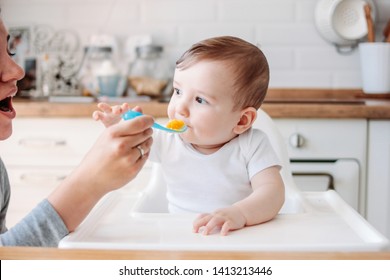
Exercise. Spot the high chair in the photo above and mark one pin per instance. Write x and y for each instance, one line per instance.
(308, 221)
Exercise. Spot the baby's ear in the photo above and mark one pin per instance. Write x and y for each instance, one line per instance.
(248, 117)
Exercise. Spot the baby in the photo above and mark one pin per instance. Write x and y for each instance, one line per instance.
(220, 166)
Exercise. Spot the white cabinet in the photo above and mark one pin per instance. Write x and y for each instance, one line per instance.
(378, 179)
(40, 154)
(328, 154)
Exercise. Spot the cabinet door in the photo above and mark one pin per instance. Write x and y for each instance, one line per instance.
(378, 177)
(29, 186)
(342, 175)
(55, 141)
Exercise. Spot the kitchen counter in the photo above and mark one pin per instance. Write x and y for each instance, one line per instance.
(29, 253)
(279, 103)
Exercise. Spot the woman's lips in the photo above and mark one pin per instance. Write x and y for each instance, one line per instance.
(6, 109)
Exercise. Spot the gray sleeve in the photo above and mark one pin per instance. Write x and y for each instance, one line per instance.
(42, 227)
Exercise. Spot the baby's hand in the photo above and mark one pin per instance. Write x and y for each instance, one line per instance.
(110, 115)
(226, 219)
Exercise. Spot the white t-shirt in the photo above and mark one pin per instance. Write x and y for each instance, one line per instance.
(198, 183)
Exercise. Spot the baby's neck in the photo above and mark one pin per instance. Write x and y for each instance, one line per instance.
(209, 149)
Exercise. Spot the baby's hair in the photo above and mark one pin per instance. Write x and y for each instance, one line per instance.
(246, 60)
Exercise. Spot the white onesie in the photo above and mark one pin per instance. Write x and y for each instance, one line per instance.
(198, 183)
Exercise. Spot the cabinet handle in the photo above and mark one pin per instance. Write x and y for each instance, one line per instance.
(296, 140)
(41, 177)
(42, 142)
(330, 176)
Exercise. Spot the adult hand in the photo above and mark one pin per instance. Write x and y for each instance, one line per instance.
(113, 161)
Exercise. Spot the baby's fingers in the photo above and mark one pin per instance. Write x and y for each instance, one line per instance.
(200, 221)
(226, 227)
(106, 108)
(213, 223)
(97, 115)
(120, 109)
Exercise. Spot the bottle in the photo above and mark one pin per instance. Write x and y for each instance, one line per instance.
(46, 79)
(150, 73)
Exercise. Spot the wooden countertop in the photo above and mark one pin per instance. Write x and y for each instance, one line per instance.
(279, 103)
(29, 253)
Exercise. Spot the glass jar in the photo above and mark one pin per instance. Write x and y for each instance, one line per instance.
(99, 73)
(150, 73)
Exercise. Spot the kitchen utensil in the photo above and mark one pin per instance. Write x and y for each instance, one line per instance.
(370, 24)
(386, 32)
(342, 22)
(133, 114)
(375, 67)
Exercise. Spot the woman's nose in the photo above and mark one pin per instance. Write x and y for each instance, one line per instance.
(12, 71)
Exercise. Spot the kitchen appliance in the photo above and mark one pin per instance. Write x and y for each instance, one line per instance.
(328, 154)
(342, 22)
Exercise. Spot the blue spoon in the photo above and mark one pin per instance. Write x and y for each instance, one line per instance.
(133, 114)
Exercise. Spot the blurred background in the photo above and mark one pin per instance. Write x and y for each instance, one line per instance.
(284, 29)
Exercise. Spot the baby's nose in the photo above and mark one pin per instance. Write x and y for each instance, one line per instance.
(182, 109)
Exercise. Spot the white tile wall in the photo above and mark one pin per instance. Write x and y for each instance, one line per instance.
(285, 29)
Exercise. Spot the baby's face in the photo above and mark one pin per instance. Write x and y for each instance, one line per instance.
(203, 99)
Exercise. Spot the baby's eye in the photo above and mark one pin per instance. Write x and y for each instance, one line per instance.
(177, 91)
(200, 100)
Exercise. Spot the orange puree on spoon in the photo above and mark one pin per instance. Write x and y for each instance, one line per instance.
(175, 124)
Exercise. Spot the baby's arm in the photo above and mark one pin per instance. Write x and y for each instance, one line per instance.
(261, 206)
(110, 115)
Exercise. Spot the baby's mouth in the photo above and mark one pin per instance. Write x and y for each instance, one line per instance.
(6, 105)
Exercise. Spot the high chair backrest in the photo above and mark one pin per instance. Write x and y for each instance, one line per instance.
(265, 123)
(154, 198)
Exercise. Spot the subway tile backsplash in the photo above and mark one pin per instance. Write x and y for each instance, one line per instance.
(284, 29)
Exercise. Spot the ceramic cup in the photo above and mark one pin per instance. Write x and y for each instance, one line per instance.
(375, 67)
(108, 85)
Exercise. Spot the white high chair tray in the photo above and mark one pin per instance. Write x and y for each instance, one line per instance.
(315, 221)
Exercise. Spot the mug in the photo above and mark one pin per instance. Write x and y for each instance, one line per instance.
(375, 67)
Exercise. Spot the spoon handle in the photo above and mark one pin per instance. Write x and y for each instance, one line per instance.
(133, 114)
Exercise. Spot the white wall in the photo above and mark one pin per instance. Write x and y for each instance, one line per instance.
(285, 29)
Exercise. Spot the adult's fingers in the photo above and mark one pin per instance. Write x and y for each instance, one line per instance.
(141, 151)
(132, 127)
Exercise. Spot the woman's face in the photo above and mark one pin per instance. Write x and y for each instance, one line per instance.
(10, 73)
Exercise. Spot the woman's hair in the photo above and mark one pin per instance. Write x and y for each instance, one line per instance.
(246, 60)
